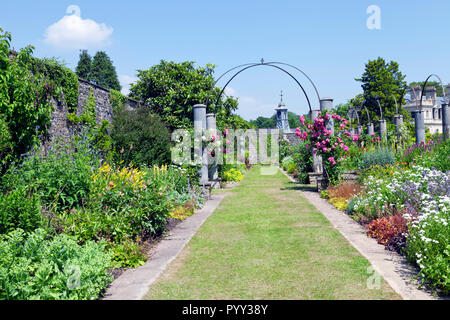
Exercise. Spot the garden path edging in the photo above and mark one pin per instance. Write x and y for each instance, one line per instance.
(133, 284)
(393, 267)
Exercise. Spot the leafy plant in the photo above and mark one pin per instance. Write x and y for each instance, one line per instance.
(39, 268)
(386, 228)
(140, 138)
(61, 179)
(25, 107)
(378, 157)
(18, 209)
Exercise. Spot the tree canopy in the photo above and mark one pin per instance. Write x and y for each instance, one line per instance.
(83, 69)
(103, 72)
(381, 80)
(171, 90)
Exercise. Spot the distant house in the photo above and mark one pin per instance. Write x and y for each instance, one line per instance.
(431, 104)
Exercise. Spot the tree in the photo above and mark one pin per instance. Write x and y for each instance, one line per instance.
(140, 137)
(382, 80)
(103, 72)
(171, 90)
(83, 69)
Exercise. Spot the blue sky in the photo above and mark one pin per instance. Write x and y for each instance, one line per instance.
(329, 40)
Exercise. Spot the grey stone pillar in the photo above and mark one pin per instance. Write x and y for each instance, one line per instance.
(398, 121)
(326, 104)
(419, 122)
(445, 120)
(211, 128)
(313, 114)
(370, 129)
(317, 160)
(360, 130)
(199, 131)
(383, 130)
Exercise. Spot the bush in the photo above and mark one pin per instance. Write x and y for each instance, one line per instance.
(303, 162)
(62, 179)
(381, 157)
(140, 137)
(291, 168)
(36, 267)
(18, 209)
(428, 247)
(344, 190)
(340, 203)
(386, 228)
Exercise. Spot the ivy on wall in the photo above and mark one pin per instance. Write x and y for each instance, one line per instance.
(88, 116)
(117, 99)
(66, 80)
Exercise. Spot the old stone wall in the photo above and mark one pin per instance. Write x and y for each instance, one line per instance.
(60, 126)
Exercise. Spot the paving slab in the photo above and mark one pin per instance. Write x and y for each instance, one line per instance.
(393, 267)
(133, 284)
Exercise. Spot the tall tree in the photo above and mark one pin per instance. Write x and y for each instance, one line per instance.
(83, 69)
(103, 72)
(171, 89)
(382, 81)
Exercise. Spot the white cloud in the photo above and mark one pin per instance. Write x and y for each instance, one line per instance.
(72, 32)
(125, 82)
(229, 91)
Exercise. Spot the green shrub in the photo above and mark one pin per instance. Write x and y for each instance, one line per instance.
(303, 162)
(62, 179)
(381, 157)
(428, 247)
(291, 168)
(286, 162)
(127, 254)
(436, 156)
(18, 209)
(140, 137)
(38, 268)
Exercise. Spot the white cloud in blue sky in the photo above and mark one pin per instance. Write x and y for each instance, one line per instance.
(72, 32)
(125, 82)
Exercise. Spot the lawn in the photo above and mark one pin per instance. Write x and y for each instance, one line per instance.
(265, 241)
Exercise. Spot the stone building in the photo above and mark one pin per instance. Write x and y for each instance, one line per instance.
(431, 104)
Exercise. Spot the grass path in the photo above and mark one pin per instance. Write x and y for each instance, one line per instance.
(265, 241)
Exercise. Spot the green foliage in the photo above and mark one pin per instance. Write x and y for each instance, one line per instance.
(84, 65)
(25, 107)
(428, 247)
(291, 168)
(88, 115)
(66, 80)
(103, 72)
(39, 268)
(232, 173)
(117, 100)
(381, 79)
(62, 179)
(140, 137)
(342, 110)
(434, 155)
(303, 162)
(127, 254)
(264, 123)
(18, 209)
(435, 84)
(271, 123)
(380, 157)
(171, 90)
